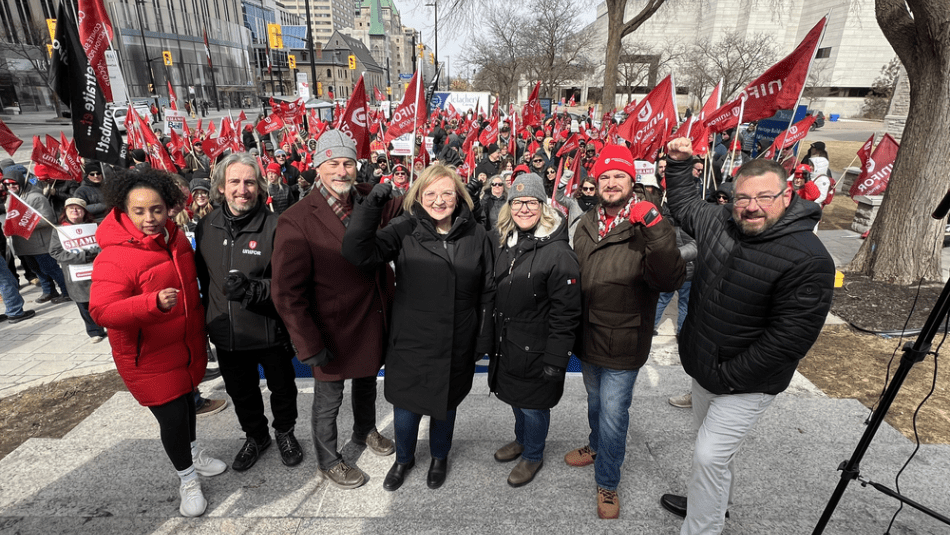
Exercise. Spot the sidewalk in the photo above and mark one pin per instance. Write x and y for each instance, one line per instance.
(110, 475)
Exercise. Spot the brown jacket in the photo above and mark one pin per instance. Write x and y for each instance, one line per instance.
(326, 301)
(621, 279)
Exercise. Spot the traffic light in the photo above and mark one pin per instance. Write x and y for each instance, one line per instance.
(292, 61)
(352, 62)
(275, 37)
(431, 58)
(389, 90)
(422, 50)
(151, 89)
(167, 56)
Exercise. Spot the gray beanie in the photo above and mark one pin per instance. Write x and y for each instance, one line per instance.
(527, 185)
(333, 144)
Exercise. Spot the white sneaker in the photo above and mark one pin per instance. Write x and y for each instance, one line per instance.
(208, 466)
(683, 402)
(193, 502)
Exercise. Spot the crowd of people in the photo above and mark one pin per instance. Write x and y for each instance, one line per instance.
(520, 252)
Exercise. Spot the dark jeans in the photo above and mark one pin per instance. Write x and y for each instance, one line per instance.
(327, 398)
(92, 329)
(49, 272)
(531, 431)
(406, 424)
(243, 383)
(177, 422)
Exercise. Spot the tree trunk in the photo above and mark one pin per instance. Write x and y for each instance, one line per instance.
(615, 12)
(905, 243)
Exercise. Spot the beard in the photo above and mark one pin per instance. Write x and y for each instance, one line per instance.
(749, 229)
(620, 203)
(342, 189)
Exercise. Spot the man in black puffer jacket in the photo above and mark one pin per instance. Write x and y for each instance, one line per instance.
(234, 247)
(762, 289)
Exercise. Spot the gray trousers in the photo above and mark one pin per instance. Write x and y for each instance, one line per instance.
(722, 423)
(327, 398)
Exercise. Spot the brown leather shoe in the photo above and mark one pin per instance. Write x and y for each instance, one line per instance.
(509, 452)
(581, 456)
(523, 472)
(608, 504)
(344, 476)
(376, 443)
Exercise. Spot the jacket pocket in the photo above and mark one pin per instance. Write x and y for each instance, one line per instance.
(613, 334)
(526, 352)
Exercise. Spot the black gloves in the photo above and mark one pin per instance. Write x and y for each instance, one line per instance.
(320, 359)
(552, 373)
(379, 195)
(474, 186)
(235, 285)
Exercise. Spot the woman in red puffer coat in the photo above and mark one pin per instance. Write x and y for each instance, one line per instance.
(145, 291)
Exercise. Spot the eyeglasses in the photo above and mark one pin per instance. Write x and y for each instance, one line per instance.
(431, 196)
(496, 184)
(532, 205)
(200, 192)
(589, 188)
(723, 197)
(399, 173)
(538, 160)
(764, 201)
(94, 173)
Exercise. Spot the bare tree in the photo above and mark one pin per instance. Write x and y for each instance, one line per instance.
(820, 82)
(734, 59)
(641, 64)
(494, 53)
(877, 101)
(553, 44)
(26, 51)
(904, 244)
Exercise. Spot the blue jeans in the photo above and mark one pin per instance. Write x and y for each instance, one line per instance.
(609, 393)
(406, 426)
(49, 273)
(682, 304)
(531, 431)
(10, 291)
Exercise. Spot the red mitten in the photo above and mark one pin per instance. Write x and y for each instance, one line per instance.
(645, 213)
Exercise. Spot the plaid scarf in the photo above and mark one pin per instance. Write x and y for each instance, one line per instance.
(342, 209)
(603, 227)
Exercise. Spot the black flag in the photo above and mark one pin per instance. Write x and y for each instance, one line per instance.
(74, 80)
(432, 87)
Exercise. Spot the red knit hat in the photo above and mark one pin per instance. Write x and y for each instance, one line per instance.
(614, 158)
(273, 167)
(40, 171)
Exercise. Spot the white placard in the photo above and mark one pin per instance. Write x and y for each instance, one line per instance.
(119, 96)
(644, 168)
(80, 272)
(402, 145)
(175, 120)
(78, 237)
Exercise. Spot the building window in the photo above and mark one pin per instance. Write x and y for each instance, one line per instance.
(823, 53)
(329, 73)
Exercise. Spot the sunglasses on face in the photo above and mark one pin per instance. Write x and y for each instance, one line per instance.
(94, 173)
(496, 184)
(723, 197)
(589, 188)
(538, 161)
(400, 173)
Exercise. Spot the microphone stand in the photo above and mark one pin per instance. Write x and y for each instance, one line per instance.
(913, 353)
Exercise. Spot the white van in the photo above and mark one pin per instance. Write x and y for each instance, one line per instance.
(119, 113)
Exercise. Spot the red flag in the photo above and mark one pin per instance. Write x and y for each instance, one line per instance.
(354, 122)
(213, 147)
(377, 94)
(95, 31)
(787, 138)
(652, 120)
(410, 112)
(208, 50)
(21, 218)
(531, 114)
(877, 170)
(489, 134)
(52, 144)
(72, 161)
(8, 139)
(778, 88)
(269, 124)
(45, 156)
(698, 131)
(864, 153)
(572, 102)
(241, 116)
(572, 143)
(157, 155)
(211, 127)
(172, 99)
(176, 146)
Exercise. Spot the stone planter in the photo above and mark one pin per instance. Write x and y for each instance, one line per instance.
(868, 205)
(847, 179)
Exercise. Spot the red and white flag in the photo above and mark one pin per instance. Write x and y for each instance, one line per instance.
(269, 124)
(355, 120)
(787, 138)
(864, 153)
(208, 50)
(43, 155)
(95, 32)
(172, 99)
(377, 94)
(778, 88)
(876, 172)
(412, 111)
(652, 121)
(572, 102)
(532, 114)
(8, 139)
(572, 143)
(21, 219)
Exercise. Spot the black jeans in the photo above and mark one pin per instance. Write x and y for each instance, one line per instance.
(92, 328)
(177, 422)
(327, 398)
(243, 383)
